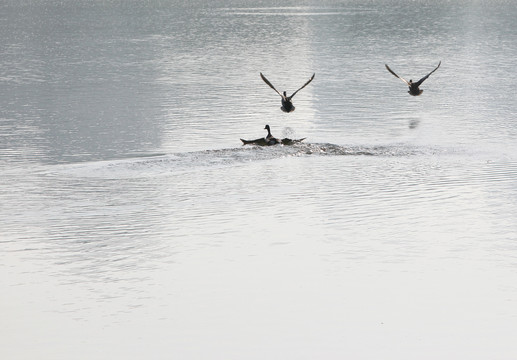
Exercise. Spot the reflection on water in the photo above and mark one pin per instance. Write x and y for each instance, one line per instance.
(413, 124)
(134, 224)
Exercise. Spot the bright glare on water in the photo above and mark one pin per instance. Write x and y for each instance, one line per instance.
(134, 224)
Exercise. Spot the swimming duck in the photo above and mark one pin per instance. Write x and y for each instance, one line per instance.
(287, 104)
(271, 140)
(265, 141)
(413, 87)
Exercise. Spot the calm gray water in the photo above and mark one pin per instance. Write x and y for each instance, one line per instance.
(134, 225)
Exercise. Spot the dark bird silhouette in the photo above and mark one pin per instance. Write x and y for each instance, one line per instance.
(287, 104)
(265, 141)
(287, 141)
(270, 140)
(413, 86)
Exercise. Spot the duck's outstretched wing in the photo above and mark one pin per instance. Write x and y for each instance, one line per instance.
(425, 77)
(401, 78)
(287, 141)
(304, 85)
(270, 85)
(261, 142)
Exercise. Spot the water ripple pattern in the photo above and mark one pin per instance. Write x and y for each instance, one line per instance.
(165, 164)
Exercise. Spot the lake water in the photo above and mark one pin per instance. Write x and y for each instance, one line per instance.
(134, 224)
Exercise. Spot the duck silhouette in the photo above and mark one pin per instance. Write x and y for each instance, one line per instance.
(413, 86)
(270, 140)
(287, 104)
(265, 141)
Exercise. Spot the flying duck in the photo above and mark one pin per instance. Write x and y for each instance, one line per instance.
(271, 140)
(413, 86)
(287, 105)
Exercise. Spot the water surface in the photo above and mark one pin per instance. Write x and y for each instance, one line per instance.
(134, 223)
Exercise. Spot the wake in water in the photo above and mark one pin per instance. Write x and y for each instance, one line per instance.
(179, 162)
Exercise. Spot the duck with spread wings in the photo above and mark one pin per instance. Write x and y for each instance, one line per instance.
(287, 104)
(414, 86)
(270, 140)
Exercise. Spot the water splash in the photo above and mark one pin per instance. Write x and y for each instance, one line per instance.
(183, 162)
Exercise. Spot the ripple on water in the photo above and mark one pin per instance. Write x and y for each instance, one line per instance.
(178, 162)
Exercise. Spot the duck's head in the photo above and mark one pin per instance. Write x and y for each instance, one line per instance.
(266, 127)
